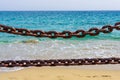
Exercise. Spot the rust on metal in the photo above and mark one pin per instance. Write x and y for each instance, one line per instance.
(55, 34)
(59, 62)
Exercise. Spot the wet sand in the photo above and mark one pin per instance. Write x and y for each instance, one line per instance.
(63, 73)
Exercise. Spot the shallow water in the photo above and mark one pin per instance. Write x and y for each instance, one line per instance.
(15, 47)
(59, 49)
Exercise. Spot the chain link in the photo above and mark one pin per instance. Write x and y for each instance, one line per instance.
(64, 34)
(59, 62)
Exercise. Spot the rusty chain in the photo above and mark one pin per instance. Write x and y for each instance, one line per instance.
(54, 34)
(64, 34)
(59, 62)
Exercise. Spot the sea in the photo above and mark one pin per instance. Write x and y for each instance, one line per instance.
(16, 47)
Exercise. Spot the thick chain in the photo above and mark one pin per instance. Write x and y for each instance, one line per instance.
(59, 62)
(64, 34)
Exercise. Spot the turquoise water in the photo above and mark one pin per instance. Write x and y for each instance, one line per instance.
(58, 21)
(15, 47)
(23, 47)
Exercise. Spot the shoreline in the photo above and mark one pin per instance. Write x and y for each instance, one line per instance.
(114, 67)
(96, 72)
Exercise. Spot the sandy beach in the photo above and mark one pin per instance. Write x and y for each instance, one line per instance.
(64, 73)
(38, 27)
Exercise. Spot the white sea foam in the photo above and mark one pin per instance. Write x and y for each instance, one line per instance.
(59, 49)
(3, 69)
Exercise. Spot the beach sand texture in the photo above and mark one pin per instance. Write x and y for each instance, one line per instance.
(61, 73)
(14, 47)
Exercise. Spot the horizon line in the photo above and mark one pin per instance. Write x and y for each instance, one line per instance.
(59, 10)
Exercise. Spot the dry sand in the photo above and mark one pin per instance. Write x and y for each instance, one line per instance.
(61, 73)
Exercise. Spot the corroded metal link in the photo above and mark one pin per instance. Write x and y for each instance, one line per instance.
(23, 31)
(80, 33)
(64, 34)
(52, 34)
(37, 33)
(6, 29)
(93, 31)
(67, 34)
(117, 26)
(59, 62)
(107, 29)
